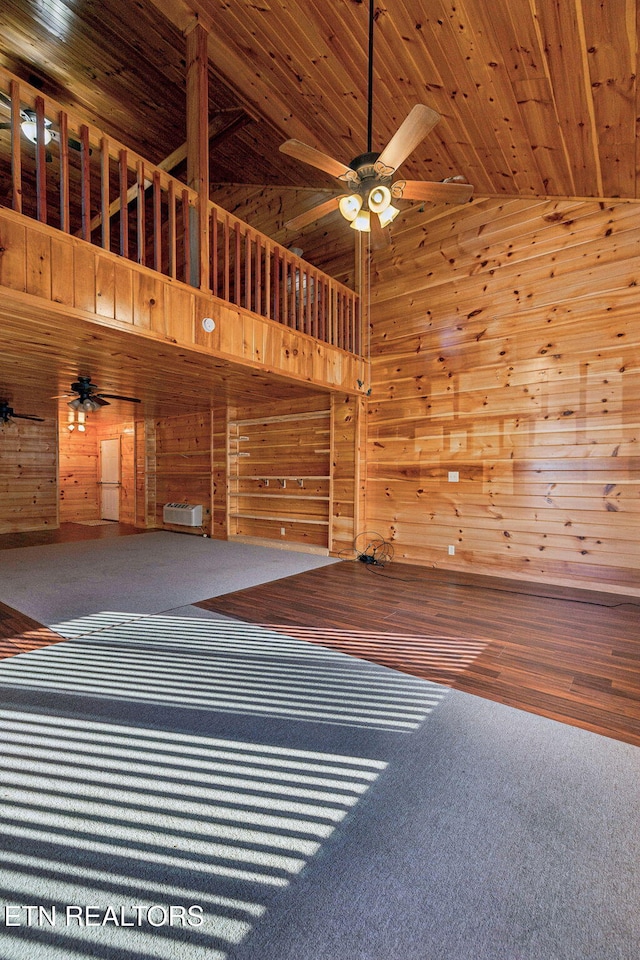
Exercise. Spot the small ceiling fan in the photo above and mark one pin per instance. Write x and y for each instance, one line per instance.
(370, 175)
(8, 414)
(89, 399)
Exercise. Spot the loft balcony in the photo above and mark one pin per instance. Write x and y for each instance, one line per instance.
(104, 236)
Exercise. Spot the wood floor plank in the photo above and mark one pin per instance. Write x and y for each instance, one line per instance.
(19, 633)
(571, 655)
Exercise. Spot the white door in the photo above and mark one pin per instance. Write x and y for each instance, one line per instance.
(110, 479)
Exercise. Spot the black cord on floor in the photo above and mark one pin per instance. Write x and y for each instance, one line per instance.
(375, 552)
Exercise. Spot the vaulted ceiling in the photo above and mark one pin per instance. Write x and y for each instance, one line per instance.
(536, 97)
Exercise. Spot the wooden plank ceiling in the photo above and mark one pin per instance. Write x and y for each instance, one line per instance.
(536, 97)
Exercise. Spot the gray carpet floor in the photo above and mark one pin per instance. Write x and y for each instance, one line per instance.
(146, 574)
(178, 785)
(304, 804)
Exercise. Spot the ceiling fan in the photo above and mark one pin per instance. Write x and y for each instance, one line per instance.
(89, 399)
(29, 127)
(370, 175)
(8, 414)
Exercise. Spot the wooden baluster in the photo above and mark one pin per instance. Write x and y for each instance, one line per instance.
(85, 177)
(214, 251)
(347, 321)
(186, 233)
(171, 240)
(294, 287)
(16, 157)
(285, 292)
(65, 216)
(123, 170)
(257, 306)
(267, 279)
(307, 296)
(157, 222)
(247, 270)
(41, 162)
(104, 194)
(237, 274)
(316, 301)
(321, 310)
(226, 264)
(140, 224)
(276, 284)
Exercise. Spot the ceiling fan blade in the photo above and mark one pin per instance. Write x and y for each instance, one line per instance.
(113, 396)
(414, 128)
(436, 191)
(316, 213)
(300, 151)
(26, 416)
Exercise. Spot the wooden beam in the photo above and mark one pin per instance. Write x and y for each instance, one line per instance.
(197, 141)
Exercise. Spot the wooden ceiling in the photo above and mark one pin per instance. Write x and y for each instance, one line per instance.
(536, 97)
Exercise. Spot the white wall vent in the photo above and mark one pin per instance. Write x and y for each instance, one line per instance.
(185, 514)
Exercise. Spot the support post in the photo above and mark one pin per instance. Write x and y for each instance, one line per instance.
(198, 150)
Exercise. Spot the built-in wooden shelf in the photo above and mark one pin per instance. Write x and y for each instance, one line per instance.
(274, 503)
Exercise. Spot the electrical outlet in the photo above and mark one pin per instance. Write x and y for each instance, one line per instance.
(282, 531)
(452, 549)
(454, 476)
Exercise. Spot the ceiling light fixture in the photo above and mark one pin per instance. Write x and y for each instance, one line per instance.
(87, 404)
(350, 206)
(30, 128)
(362, 222)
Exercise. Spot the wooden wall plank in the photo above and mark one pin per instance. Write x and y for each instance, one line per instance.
(28, 487)
(509, 355)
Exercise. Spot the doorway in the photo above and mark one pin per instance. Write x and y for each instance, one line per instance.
(110, 479)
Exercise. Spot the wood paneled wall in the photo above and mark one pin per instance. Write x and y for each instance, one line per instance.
(181, 468)
(506, 350)
(78, 476)
(348, 472)
(28, 488)
(79, 470)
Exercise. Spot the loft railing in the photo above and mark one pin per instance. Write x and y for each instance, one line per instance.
(82, 182)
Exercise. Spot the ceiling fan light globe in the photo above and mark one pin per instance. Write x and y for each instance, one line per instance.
(362, 222)
(350, 206)
(75, 404)
(89, 405)
(30, 130)
(388, 215)
(379, 198)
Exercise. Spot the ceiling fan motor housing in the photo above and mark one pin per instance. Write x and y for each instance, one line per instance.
(364, 165)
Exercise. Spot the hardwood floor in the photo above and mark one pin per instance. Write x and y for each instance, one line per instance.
(571, 655)
(67, 532)
(19, 633)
